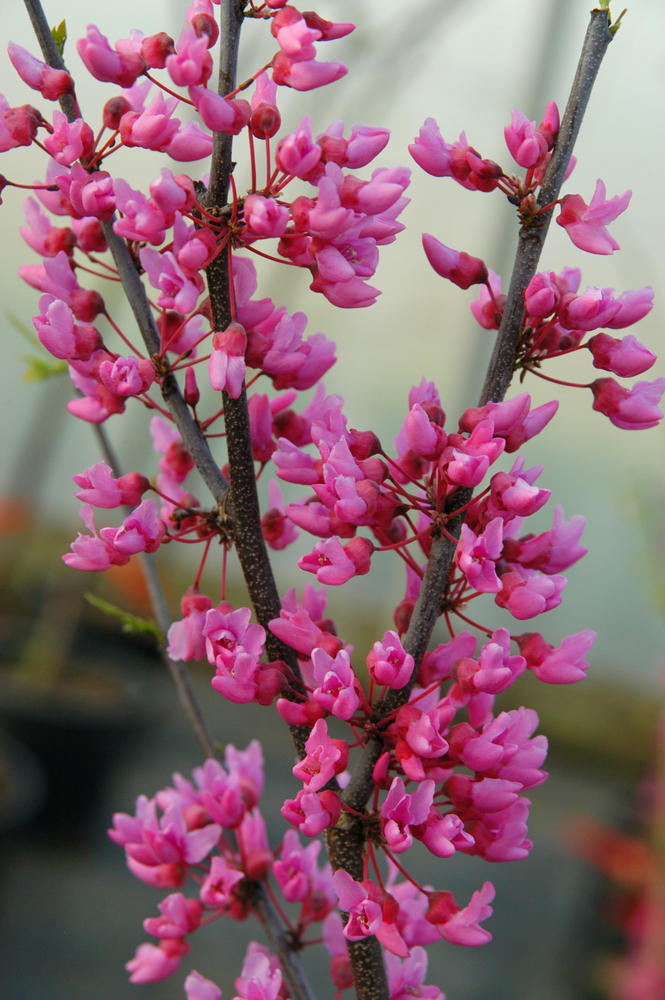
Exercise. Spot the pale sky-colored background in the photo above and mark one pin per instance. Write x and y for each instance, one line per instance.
(466, 64)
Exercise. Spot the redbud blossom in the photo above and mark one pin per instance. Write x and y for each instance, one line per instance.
(152, 963)
(526, 144)
(325, 758)
(101, 489)
(197, 987)
(127, 376)
(336, 681)
(218, 113)
(69, 141)
(388, 663)
(459, 267)
(631, 409)
(585, 224)
(564, 665)
(625, 357)
(107, 64)
(226, 366)
(51, 83)
(476, 556)
(460, 926)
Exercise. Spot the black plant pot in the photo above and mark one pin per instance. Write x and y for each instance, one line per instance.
(79, 728)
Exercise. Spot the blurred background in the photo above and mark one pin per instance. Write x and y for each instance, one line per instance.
(70, 914)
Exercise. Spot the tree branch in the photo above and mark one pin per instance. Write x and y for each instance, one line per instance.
(160, 609)
(532, 237)
(346, 841)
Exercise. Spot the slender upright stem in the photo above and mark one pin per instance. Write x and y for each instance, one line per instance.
(532, 237)
(176, 668)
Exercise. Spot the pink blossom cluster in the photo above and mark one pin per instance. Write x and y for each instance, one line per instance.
(556, 318)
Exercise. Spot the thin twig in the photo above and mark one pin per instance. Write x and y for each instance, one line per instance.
(160, 609)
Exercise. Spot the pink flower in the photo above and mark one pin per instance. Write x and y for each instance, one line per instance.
(389, 663)
(218, 887)
(526, 144)
(585, 224)
(226, 366)
(527, 593)
(305, 75)
(297, 154)
(459, 267)
(261, 977)
(101, 489)
(312, 813)
(625, 357)
(277, 528)
(631, 409)
(564, 665)
(127, 376)
(325, 758)
(91, 553)
(51, 83)
(192, 65)
(476, 556)
(189, 143)
(60, 335)
(405, 978)
(70, 140)
(335, 563)
(264, 216)
(336, 690)
(107, 64)
(218, 113)
(180, 916)
(365, 914)
(164, 272)
(437, 664)
(141, 531)
(197, 987)
(460, 926)
(89, 194)
(295, 866)
(152, 128)
(151, 963)
(400, 811)
(185, 638)
(495, 670)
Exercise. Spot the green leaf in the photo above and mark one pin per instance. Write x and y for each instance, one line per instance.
(24, 330)
(59, 35)
(39, 369)
(130, 623)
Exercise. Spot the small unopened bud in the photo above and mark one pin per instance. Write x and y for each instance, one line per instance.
(155, 49)
(86, 304)
(265, 121)
(192, 394)
(205, 24)
(113, 112)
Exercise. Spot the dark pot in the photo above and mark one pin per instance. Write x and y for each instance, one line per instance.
(79, 728)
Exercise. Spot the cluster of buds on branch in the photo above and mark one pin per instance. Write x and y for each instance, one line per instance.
(426, 757)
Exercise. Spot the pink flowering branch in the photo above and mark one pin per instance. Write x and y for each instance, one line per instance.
(246, 529)
(136, 294)
(346, 841)
(534, 228)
